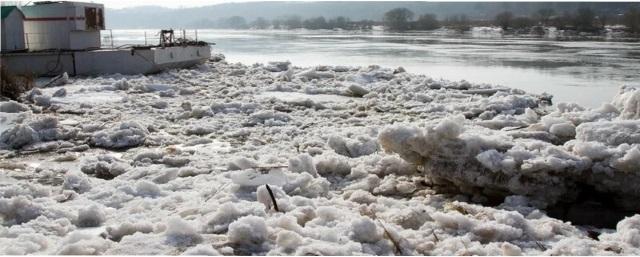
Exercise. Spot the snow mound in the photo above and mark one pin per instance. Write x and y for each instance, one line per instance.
(104, 167)
(13, 107)
(19, 209)
(269, 118)
(612, 133)
(312, 73)
(495, 163)
(42, 100)
(92, 216)
(249, 232)
(303, 163)
(220, 220)
(332, 165)
(40, 129)
(79, 243)
(277, 66)
(19, 136)
(236, 107)
(366, 231)
(202, 250)
(126, 135)
(361, 146)
(116, 233)
(628, 102)
(147, 189)
(195, 183)
(77, 182)
(60, 93)
(180, 232)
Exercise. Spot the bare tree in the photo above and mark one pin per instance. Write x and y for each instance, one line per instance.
(631, 19)
(544, 15)
(504, 19)
(459, 22)
(398, 19)
(277, 23)
(584, 18)
(260, 23)
(427, 22)
(315, 23)
(339, 22)
(293, 22)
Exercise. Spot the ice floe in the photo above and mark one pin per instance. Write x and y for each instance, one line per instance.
(359, 160)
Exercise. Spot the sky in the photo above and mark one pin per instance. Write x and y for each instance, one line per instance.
(117, 4)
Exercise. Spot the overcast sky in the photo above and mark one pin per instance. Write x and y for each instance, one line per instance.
(165, 3)
(118, 4)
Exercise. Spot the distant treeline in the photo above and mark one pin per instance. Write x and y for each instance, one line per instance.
(582, 20)
(288, 22)
(402, 19)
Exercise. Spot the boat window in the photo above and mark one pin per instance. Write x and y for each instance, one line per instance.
(100, 19)
(91, 18)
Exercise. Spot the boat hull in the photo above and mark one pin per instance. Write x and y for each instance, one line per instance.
(105, 61)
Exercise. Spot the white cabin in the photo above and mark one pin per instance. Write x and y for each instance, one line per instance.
(12, 29)
(63, 25)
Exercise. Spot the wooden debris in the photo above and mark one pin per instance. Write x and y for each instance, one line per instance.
(273, 198)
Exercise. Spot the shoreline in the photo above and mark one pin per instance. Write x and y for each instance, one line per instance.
(573, 37)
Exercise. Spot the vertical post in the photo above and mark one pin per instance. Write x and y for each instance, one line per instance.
(196, 35)
(184, 35)
(111, 32)
(145, 38)
(26, 35)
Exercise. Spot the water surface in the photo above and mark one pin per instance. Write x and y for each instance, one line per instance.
(585, 72)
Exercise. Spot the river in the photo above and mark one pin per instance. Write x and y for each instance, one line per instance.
(586, 72)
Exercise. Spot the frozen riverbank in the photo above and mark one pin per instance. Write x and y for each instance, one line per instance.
(359, 160)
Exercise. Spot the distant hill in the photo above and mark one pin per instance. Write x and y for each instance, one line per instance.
(159, 17)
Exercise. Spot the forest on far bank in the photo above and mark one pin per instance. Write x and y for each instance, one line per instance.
(402, 19)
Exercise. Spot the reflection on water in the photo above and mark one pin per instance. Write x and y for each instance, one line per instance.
(586, 72)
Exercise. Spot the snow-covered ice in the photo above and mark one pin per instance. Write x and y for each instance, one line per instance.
(360, 160)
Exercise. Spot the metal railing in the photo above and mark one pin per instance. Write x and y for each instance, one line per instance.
(143, 38)
(106, 39)
(110, 39)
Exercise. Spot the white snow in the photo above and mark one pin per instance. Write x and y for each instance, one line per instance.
(249, 231)
(13, 107)
(180, 232)
(628, 102)
(91, 216)
(79, 243)
(19, 136)
(303, 163)
(365, 231)
(116, 233)
(202, 250)
(126, 134)
(361, 161)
